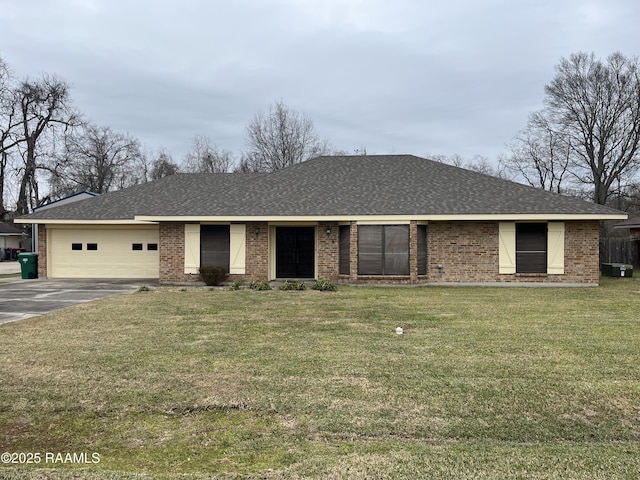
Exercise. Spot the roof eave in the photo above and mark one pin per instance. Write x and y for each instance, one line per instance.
(47, 221)
(382, 218)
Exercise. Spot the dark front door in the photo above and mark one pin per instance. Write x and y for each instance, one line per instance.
(295, 252)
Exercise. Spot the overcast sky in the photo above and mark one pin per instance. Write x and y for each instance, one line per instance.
(393, 76)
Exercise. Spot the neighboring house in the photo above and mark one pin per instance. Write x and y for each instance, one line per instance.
(627, 250)
(386, 219)
(633, 225)
(9, 239)
(76, 197)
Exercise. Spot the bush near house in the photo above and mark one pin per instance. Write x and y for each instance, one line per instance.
(287, 285)
(325, 286)
(212, 276)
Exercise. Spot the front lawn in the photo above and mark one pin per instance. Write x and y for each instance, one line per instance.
(485, 383)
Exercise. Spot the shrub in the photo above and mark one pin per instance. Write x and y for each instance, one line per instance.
(256, 285)
(237, 285)
(293, 286)
(325, 286)
(212, 275)
(144, 288)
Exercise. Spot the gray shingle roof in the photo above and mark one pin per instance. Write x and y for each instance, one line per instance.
(6, 229)
(328, 186)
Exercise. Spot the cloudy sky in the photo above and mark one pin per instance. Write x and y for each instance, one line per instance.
(392, 76)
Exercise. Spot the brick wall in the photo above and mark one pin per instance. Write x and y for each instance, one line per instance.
(581, 252)
(171, 252)
(42, 251)
(462, 251)
(468, 252)
(328, 251)
(257, 258)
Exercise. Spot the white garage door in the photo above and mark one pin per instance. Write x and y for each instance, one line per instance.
(103, 252)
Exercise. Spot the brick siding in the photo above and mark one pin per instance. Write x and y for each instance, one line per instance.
(328, 251)
(171, 253)
(171, 250)
(42, 251)
(257, 257)
(468, 252)
(457, 252)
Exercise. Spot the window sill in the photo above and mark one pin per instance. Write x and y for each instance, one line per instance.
(529, 275)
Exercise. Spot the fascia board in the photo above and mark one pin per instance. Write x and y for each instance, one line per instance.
(382, 218)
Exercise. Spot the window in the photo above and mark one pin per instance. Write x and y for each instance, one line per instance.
(152, 246)
(422, 249)
(383, 250)
(214, 246)
(344, 267)
(92, 246)
(136, 246)
(531, 248)
(76, 246)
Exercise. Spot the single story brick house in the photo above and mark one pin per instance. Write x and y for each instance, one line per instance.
(633, 225)
(391, 219)
(9, 239)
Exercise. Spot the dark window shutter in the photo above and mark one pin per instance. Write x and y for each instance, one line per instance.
(345, 255)
(422, 249)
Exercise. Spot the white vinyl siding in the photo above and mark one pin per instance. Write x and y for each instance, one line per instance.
(507, 247)
(191, 247)
(237, 249)
(555, 248)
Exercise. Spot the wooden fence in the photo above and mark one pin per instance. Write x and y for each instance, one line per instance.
(620, 250)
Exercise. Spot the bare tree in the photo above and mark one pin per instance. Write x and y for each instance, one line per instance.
(7, 124)
(41, 105)
(163, 166)
(596, 105)
(205, 157)
(539, 154)
(280, 138)
(97, 159)
(478, 163)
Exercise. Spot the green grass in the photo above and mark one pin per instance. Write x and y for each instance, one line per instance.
(485, 383)
(9, 275)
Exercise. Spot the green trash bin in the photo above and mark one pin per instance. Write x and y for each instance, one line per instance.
(617, 270)
(28, 265)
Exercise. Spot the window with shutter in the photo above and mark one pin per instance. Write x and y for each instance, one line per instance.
(214, 246)
(531, 248)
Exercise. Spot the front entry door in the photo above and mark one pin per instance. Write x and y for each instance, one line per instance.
(295, 252)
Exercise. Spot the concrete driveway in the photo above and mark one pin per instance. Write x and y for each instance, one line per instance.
(9, 268)
(27, 298)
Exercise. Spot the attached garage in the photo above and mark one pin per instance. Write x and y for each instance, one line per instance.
(112, 251)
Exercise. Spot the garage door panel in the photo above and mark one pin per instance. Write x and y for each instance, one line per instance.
(114, 256)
